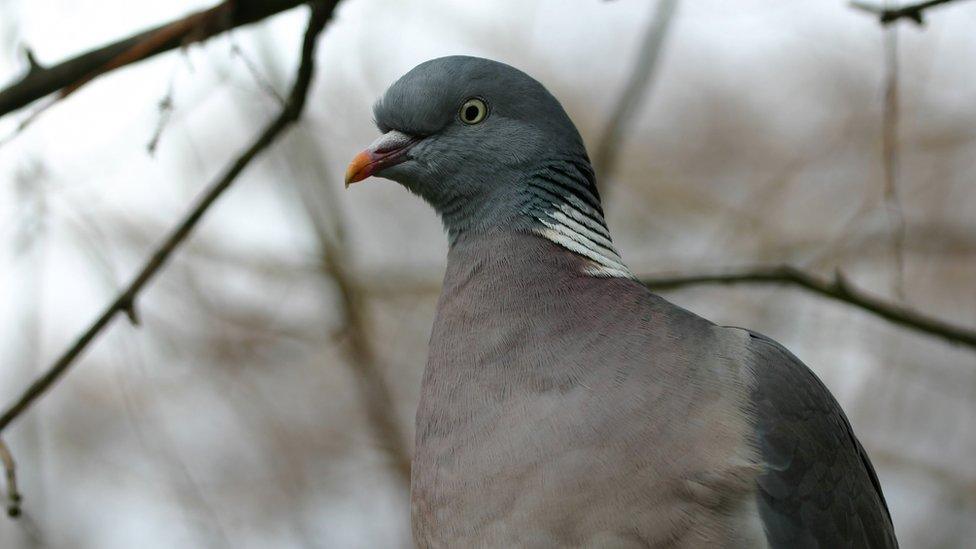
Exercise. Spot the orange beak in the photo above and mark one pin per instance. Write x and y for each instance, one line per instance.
(389, 150)
(359, 168)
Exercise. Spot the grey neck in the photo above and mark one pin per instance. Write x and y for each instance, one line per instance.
(558, 202)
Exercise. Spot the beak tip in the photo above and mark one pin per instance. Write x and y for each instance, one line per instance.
(358, 169)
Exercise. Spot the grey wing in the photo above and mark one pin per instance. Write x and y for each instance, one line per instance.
(818, 487)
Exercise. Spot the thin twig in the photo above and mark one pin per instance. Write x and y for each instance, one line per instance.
(10, 472)
(156, 442)
(125, 302)
(316, 195)
(255, 73)
(165, 108)
(358, 345)
(64, 77)
(26, 121)
(838, 289)
(373, 388)
(624, 114)
(889, 153)
(887, 16)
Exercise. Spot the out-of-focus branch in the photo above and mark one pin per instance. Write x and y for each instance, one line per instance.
(374, 391)
(889, 158)
(316, 195)
(838, 289)
(326, 220)
(125, 302)
(69, 75)
(890, 15)
(624, 113)
(10, 472)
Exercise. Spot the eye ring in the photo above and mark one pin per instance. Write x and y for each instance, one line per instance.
(473, 111)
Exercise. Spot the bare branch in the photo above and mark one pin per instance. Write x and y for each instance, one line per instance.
(838, 289)
(605, 158)
(124, 303)
(165, 107)
(255, 73)
(358, 343)
(32, 64)
(889, 155)
(887, 16)
(373, 388)
(69, 75)
(10, 471)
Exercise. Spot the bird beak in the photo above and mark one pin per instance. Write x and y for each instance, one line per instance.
(388, 150)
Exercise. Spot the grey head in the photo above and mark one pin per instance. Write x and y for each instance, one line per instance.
(470, 135)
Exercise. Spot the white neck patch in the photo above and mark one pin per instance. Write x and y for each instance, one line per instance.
(572, 225)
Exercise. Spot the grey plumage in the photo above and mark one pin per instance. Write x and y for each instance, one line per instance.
(818, 487)
(564, 404)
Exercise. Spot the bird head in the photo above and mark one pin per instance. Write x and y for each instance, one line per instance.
(465, 133)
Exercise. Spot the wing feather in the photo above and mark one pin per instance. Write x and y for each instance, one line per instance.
(818, 487)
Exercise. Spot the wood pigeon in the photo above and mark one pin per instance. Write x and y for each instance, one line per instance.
(564, 404)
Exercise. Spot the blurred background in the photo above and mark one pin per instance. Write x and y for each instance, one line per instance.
(243, 412)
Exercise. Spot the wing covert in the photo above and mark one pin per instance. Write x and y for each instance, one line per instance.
(818, 487)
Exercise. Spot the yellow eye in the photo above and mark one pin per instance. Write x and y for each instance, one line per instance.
(473, 111)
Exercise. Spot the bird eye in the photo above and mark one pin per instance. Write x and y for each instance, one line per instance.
(473, 110)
